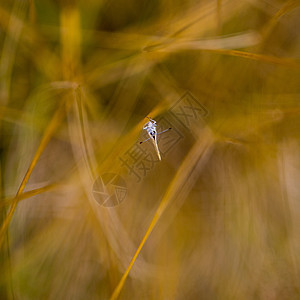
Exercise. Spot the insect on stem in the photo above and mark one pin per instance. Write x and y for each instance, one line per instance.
(157, 134)
(150, 127)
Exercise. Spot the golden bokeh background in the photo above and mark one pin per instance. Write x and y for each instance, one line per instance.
(89, 213)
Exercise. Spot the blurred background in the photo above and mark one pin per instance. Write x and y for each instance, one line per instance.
(219, 214)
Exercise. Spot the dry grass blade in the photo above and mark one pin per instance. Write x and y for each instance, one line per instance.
(8, 54)
(287, 62)
(286, 8)
(28, 194)
(181, 178)
(217, 217)
(50, 130)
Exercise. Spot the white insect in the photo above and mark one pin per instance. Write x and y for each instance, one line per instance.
(150, 127)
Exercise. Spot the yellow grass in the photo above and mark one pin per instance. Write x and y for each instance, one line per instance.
(87, 212)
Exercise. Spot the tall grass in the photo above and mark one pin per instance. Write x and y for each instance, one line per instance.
(217, 218)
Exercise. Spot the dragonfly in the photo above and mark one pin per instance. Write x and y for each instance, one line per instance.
(150, 127)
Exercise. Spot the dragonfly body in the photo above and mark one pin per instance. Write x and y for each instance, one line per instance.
(150, 127)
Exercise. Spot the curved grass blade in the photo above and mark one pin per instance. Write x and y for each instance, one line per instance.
(50, 130)
(179, 181)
